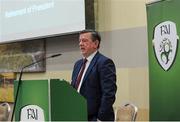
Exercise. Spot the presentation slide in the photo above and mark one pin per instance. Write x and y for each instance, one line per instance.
(28, 19)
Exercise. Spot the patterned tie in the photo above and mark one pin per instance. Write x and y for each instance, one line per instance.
(80, 73)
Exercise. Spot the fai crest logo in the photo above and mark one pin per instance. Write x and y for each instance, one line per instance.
(165, 43)
(32, 113)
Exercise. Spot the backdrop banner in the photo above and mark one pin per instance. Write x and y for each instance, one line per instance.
(163, 22)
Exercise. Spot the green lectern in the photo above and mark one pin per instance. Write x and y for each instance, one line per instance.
(49, 100)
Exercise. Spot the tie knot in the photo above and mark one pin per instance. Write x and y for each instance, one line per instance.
(84, 60)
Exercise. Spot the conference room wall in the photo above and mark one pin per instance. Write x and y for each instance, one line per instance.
(122, 24)
(124, 28)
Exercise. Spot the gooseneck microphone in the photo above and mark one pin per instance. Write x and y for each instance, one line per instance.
(52, 56)
(20, 81)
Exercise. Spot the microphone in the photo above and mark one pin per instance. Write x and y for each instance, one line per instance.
(20, 81)
(55, 55)
(52, 56)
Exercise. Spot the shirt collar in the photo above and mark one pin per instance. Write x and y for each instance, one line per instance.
(89, 58)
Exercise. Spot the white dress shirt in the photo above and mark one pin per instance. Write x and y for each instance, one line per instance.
(89, 59)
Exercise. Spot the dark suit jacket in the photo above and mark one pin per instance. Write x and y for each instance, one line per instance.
(98, 87)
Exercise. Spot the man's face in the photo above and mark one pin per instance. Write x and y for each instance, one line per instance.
(86, 44)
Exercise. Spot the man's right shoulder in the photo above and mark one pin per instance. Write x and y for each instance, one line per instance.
(78, 61)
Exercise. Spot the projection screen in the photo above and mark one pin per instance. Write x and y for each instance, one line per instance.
(28, 19)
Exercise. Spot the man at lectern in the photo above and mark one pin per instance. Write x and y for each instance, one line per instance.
(94, 77)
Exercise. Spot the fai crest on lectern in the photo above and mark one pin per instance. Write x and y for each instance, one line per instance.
(165, 43)
(32, 113)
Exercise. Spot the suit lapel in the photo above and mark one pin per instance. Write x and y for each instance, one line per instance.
(77, 69)
(93, 62)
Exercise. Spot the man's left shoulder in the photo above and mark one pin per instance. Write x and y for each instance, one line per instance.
(103, 57)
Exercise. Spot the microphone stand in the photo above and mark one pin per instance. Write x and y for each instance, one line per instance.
(20, 81)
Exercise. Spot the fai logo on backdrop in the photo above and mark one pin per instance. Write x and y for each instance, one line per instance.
(165, 43)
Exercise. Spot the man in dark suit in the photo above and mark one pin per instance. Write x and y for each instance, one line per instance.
(97, 83)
